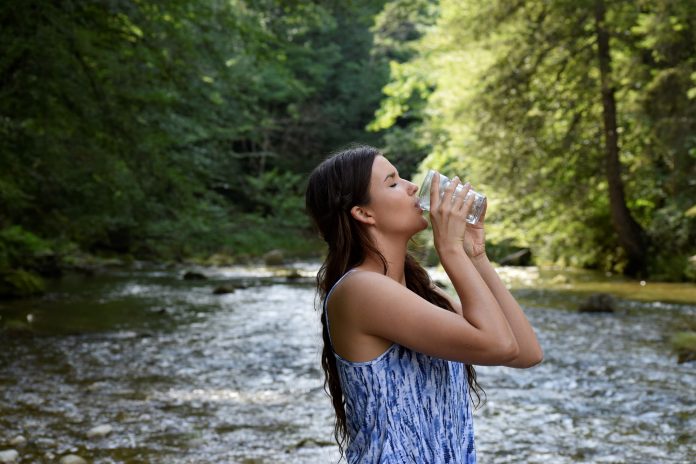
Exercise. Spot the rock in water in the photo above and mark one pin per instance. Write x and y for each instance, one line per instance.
(72, 459)
(193, 275)
(223, 289)
(8, 456)
(598, 303)
(19, 440)
(99, 431)
(274, 258)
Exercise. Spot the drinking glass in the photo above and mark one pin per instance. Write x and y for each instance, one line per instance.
(424, 196)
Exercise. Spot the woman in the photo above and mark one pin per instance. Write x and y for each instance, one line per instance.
(398, 350)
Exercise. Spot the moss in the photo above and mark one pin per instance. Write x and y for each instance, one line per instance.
(20, 283)
(684, 344)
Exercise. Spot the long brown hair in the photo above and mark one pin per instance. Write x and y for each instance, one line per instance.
(335, 186)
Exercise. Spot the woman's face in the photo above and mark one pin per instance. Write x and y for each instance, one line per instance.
(393, 200)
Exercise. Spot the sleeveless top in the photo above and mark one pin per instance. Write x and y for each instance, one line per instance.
(405, 407)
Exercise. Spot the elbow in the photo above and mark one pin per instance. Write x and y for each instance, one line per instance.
(529, 359)
(533, 358)
(509, 351)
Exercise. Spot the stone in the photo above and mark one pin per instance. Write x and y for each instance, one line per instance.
(8, 456)
(193, 275)
(274, 258)
(560, 279)
(598, 303)
(99, 431)
(19, 440)
(72, 459)
(223, 289)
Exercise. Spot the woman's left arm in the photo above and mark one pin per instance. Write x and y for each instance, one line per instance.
(475, 246)
(530, 350)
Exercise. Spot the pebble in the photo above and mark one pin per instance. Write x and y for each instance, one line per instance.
(19, 440)
(8, 456)
(99, 431)
(72, 459)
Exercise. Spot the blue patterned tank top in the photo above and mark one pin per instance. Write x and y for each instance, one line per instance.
(406, 407)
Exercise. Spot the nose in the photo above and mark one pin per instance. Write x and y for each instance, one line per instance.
(412, 188)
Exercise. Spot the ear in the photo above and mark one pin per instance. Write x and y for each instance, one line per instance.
(362, 214)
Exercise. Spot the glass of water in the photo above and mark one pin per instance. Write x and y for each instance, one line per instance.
(424, 195)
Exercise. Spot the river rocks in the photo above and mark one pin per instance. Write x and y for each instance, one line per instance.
(521, 257)
(288, 274)
(9, 456)
(598, 303)
(99, 431)
(72, 459)
(684, 344)
(560, 279)
(194, 275)
(19, 440)
(223, 289)
(274, 258)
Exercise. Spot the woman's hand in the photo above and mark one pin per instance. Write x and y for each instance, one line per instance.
(475, 237)
(448, 217)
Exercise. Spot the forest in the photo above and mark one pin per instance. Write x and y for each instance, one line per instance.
(185, 130)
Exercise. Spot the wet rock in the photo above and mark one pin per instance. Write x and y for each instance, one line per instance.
(288, 274)
(99, 431)
(9, 456)
(598, 303)
(194, 275)
(560, 279)
(684, 344)
(521, 257)
(223, 289)
(274, 258)
(72, 459)
(49, 456)
(19, 440)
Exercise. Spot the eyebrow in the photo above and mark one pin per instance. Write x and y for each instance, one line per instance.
(393, 174)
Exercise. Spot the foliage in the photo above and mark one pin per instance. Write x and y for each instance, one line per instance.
(139, 127)
(515, 100)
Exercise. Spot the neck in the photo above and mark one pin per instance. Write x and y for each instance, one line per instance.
(394, 251)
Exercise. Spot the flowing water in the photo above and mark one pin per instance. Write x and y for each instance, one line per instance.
(185, 376)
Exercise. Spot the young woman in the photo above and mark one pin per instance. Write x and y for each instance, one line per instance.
(398, 351)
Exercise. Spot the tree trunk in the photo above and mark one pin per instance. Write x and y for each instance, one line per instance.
(631, 235)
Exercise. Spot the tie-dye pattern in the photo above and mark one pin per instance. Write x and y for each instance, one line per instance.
(406, 407)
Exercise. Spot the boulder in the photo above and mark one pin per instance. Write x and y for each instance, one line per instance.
(99, 431)
(560, 279)
(274, 258)
(9, 456)
(223, 289)
(72, 459)
(598, 303)
(19, 440)
(194, 275)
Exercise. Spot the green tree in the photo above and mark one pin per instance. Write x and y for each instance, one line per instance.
(554, 109)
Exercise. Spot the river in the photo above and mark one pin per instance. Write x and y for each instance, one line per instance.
(180, 375)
